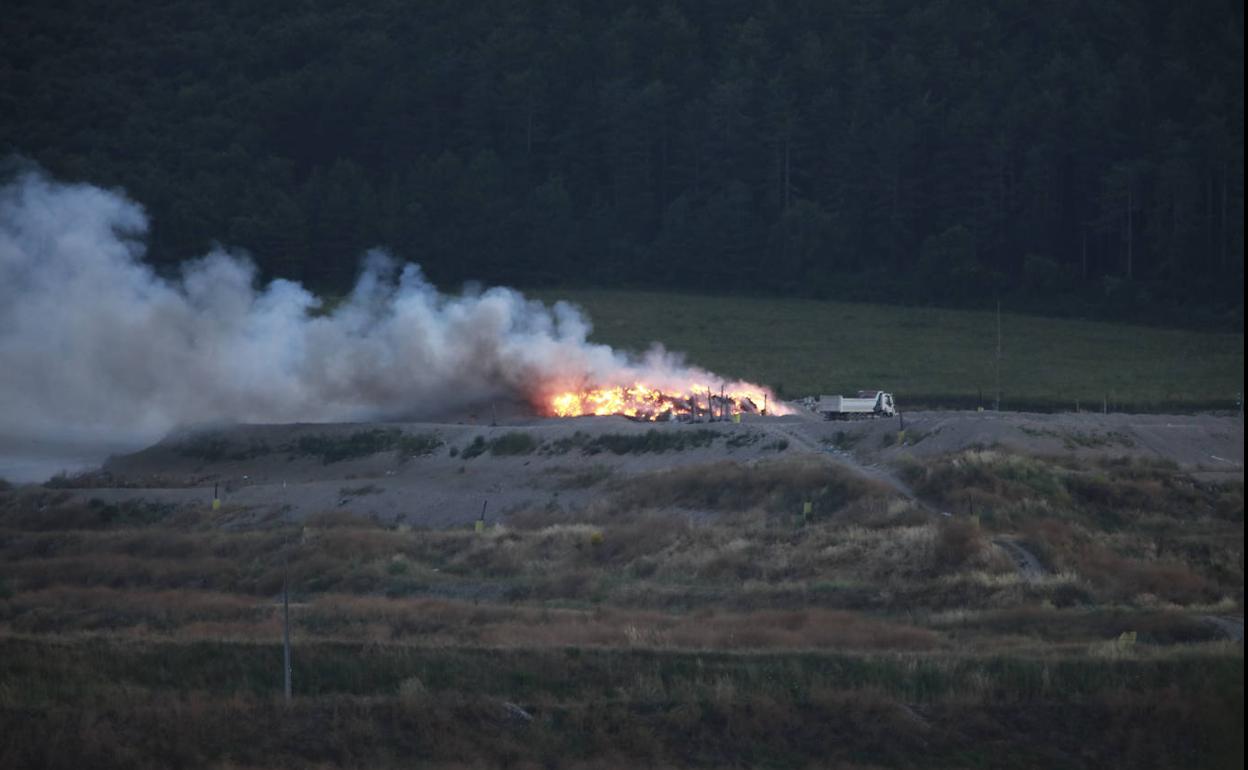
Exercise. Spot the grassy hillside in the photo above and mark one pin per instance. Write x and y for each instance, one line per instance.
(804, 347)
(871, 635)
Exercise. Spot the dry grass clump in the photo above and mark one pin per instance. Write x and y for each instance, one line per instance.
(64, 609)
(709, 630)
(986, 479)
(1070, 546)
(161, 703)
(914, 552)
(1080, 625)
(1106, 493)
(45, 510)
(1134, 530)
(958, 542)
(773, 485)
(797, 629)
(149, 558)
(191, 614)
(119, 571)
(156, 544)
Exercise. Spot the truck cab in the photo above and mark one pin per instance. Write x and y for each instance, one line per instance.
(883, 402)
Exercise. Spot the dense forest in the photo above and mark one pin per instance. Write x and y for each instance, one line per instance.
(1069, 157)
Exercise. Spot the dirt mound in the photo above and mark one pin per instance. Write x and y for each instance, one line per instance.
(439, 474)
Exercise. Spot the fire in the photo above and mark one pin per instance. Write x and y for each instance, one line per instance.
(642, 402)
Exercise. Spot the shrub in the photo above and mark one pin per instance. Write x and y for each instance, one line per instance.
(332, 449)
(738, 440)
(845, 441)
(584, 478)
(565, 444)
(216, 447)
(655, 441)
(418, 445)
(957, 542)
(477, 447)
(513, 443)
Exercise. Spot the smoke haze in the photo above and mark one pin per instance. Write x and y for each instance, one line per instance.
(99, 353)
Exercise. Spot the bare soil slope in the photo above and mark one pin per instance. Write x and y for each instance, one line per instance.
(292, 471)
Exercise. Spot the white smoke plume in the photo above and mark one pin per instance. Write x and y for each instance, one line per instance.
(96, 348)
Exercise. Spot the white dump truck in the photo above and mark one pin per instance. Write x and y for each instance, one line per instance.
(868, 403)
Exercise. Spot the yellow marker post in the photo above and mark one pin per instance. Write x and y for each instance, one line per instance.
(480, 525)
(216, 503)
(737, 418)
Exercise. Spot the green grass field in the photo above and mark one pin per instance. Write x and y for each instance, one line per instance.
(805, 347)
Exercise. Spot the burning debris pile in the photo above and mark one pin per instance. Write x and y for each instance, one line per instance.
(640, 402)
(98, 349)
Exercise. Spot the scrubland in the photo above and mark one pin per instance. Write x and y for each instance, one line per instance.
(689, 617)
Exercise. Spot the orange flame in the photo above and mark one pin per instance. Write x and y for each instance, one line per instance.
(641, 402)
